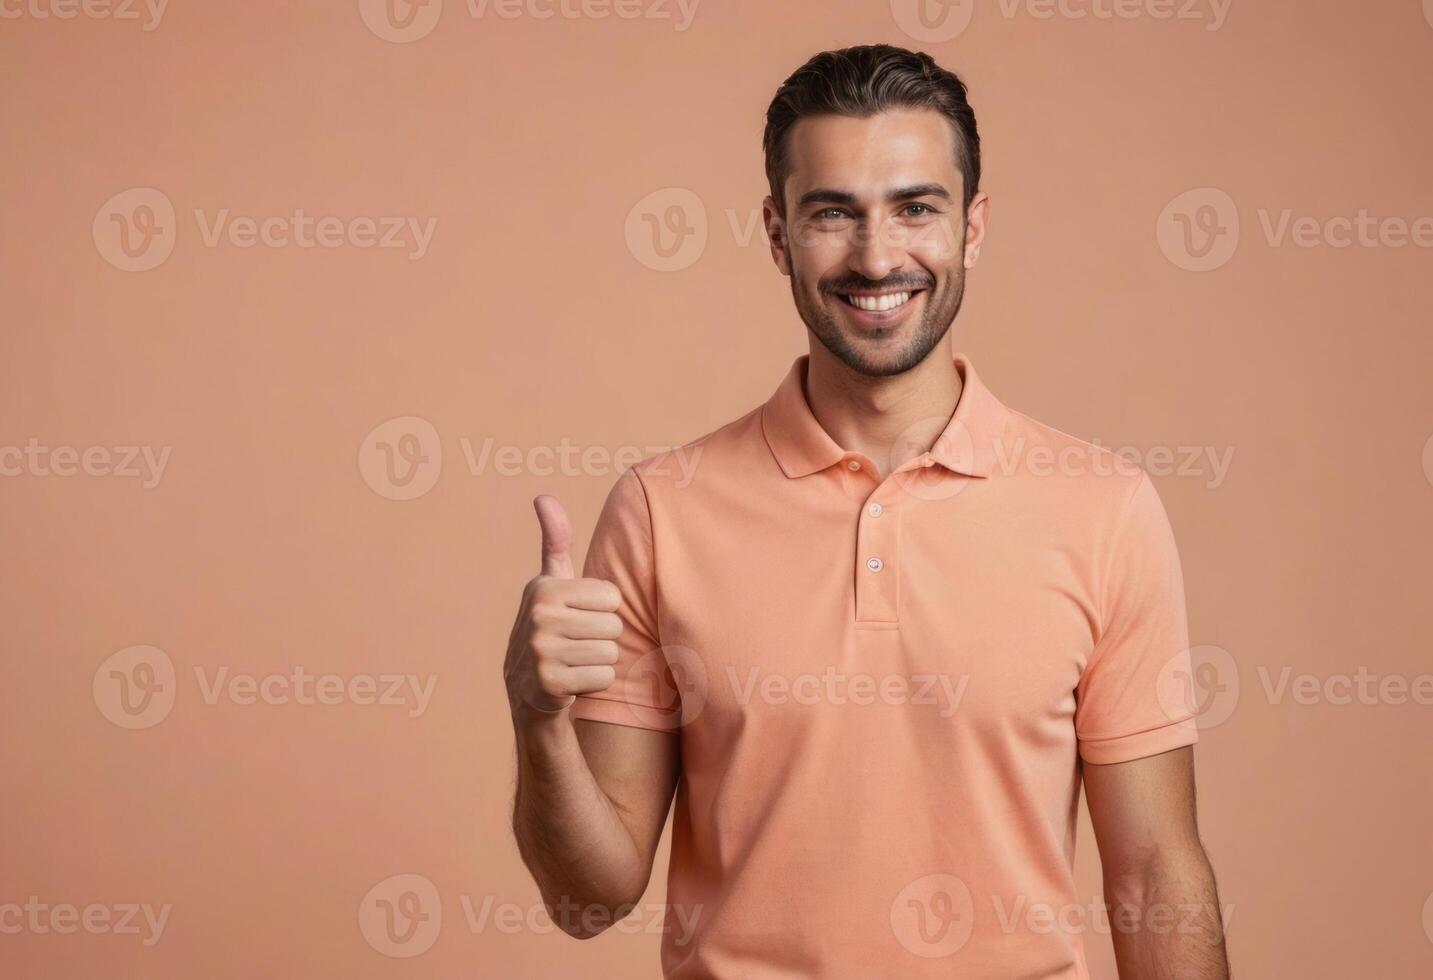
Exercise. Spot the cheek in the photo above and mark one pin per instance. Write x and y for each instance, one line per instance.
(938, 244)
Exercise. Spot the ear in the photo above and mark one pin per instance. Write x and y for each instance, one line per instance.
(977, 222)
(776, 235)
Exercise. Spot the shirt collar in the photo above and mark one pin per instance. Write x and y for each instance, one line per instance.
(802, 447)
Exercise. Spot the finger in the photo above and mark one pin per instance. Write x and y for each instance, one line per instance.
(586, 680)
(598, 595)
(589, 653)
(556, 536)
(581, 624)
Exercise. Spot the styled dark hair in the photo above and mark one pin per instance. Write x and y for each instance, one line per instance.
(860, 82)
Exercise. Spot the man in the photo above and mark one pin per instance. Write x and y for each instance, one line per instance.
(873, 651)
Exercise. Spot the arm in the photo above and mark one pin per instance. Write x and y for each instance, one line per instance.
(591, 802)
(1165, 915)
(591, 797)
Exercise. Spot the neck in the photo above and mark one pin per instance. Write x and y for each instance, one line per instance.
(889, 419)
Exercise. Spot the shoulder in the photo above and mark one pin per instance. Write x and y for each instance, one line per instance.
(1064, 470)
(720, 454)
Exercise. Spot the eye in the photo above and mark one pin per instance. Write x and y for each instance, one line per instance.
(925, 210)
(828, 214)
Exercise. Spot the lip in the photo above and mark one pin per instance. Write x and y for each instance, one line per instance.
(884, 318)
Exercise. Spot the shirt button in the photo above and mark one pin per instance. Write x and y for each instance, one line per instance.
(875, 564)
(876, 510)
(855, 464)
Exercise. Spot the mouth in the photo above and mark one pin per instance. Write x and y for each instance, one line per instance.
(880, 309)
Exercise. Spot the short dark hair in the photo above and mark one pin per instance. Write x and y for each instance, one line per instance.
(862, 81)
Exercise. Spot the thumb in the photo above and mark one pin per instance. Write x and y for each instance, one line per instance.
(556, 536)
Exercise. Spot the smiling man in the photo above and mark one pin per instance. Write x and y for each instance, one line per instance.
(871, 647)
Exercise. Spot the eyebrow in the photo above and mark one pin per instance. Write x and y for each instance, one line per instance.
(829, 195)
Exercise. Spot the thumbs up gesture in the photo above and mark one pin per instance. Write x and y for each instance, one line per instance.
(564, 641)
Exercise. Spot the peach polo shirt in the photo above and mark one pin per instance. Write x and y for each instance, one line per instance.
(884, 688)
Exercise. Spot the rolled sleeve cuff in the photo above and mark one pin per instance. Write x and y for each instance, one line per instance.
(1125, 748)
(615, 712)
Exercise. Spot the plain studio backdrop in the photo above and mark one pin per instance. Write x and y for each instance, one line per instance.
(304, 302)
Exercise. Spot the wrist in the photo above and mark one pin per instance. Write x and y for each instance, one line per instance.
(528, 717)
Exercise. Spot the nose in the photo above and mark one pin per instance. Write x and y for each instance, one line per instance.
(875, 252)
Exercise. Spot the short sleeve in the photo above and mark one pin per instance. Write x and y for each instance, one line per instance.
(621, 552)
(1128, 704)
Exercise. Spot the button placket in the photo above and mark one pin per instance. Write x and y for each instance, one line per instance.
(877, 560)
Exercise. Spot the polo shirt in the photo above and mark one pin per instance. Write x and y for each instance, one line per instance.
(884, 688)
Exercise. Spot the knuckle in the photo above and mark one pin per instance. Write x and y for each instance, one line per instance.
(550, 680)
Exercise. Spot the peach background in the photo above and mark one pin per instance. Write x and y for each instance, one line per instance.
(530, 321)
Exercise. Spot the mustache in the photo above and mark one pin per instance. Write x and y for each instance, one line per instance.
(872, 286)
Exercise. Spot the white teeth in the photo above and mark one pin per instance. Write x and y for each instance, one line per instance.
(879, 304)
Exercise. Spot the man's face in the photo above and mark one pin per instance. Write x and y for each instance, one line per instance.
(875, 240)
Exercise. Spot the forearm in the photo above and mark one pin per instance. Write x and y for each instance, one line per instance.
(581, 854)
(1166, 920)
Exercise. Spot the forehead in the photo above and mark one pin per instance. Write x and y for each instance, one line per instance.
(900, 147)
